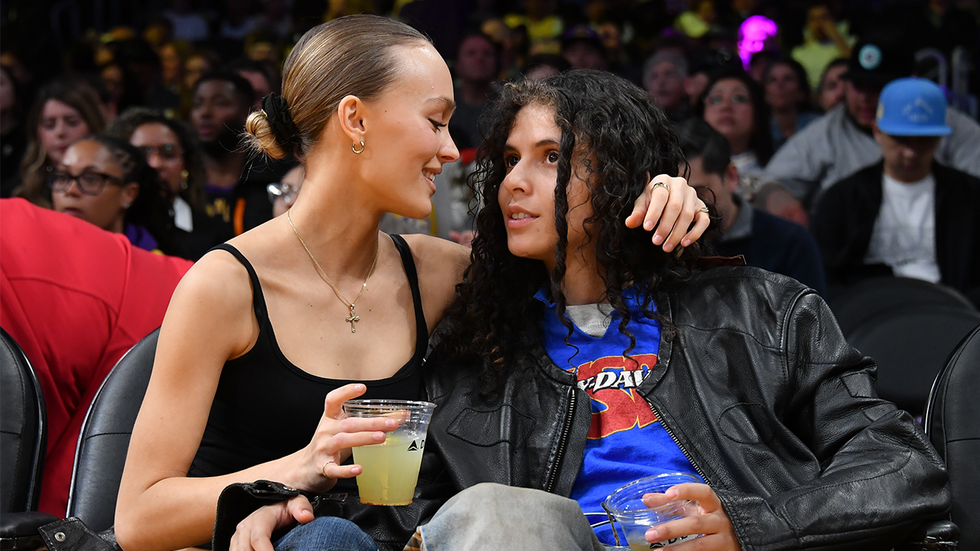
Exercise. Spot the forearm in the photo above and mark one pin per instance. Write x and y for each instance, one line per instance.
(179, 511)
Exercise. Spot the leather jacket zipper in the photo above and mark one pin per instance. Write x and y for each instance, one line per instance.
(678, 442)
(562, 442)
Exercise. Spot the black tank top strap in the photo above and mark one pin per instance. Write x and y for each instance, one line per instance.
(258, 300)
(421, 328)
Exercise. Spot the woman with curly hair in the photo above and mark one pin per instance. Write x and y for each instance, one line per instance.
(579, 357)
(172, 149)
(106, 181)
(268, 334)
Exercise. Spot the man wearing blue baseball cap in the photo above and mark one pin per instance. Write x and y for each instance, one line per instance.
(907, 215)
(840, 143)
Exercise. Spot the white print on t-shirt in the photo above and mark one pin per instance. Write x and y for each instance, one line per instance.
(904, 235)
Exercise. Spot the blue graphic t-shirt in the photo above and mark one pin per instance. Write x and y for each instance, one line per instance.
(626, 440)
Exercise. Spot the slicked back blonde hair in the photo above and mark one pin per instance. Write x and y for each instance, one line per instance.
(350, 55)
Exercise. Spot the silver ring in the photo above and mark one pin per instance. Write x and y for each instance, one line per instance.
(323, 469)
(660, 184)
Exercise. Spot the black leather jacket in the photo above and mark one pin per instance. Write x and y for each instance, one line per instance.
(758, 388)
(761, 392)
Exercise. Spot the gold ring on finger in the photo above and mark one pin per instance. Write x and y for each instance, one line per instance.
(660, 184)
(323, 469)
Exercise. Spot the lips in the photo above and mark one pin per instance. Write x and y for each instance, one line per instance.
(516, 217)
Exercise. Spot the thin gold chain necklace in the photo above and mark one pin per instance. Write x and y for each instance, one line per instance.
(352, 318)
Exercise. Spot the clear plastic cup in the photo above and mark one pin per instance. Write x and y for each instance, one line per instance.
(391, 468)
(626, 508)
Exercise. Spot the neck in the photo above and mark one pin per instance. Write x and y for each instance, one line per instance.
(582, 283)
(786, 120)
(225, 171)
(739, 145)
(474, 92)
(337, 218)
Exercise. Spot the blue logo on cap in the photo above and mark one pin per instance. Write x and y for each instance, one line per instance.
(869, 57)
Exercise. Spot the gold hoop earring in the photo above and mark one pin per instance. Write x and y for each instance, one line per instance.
(357, 151)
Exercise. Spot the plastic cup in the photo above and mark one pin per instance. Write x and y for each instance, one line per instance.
(391, 468)
(626, 507)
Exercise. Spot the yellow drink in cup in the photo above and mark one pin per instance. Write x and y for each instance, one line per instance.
(391, 469)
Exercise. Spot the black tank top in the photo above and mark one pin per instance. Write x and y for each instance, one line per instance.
(265, 407)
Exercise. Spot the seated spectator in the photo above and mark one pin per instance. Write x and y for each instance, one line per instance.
(476, 68)
(235, 192)
(75, 298)
(733, 105)
(788, 97)
(830, 92)
(664, 76)
(907, 215)
(171, 148)
(188, 25)
(64, 111)
(13, 139)
(697, 21)
(544, 65)
(105, 181)
(840, 143)
(583, 49)
(541, 22)
(824, 40)
(258, 76)
(284, 193)
(766, 241)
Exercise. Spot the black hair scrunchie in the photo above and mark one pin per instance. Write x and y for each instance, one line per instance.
(283, 128)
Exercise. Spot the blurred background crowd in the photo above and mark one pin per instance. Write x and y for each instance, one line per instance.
(162, 88)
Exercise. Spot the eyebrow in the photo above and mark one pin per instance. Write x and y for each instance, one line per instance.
(446, 103)
(537, 144)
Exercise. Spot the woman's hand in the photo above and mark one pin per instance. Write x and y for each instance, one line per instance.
(710, 520)
(255, 532)
(676, 205)
(334, 437)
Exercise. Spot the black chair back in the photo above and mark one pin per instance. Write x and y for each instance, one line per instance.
(23, 429)
(910, 346)
(857, 304)
(953, 424)
(104, 438)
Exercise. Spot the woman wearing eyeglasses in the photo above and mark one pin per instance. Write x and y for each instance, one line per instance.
(106, 181)
(733, 104)
(172, 149)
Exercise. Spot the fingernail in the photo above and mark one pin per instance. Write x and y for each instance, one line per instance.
(657, 239)
(671, 493)
(648, 225)
(653, 533)
(668, 247)
(391, 423)
(686, 243)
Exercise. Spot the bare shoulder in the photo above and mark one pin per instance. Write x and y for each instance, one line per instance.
(214, 299)
(440, 264)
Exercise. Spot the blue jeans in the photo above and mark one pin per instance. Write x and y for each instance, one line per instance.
(326, 534)
(491, 516)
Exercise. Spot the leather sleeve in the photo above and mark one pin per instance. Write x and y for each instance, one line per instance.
(879, 476)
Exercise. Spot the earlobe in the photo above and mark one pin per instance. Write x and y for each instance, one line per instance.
(129, 194)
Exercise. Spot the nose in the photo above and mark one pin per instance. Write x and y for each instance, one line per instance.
(154, 160)
(72, 189)
(515, 180)
(448, 153)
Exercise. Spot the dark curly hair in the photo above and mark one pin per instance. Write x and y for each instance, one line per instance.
(624, 140)
(151, 209)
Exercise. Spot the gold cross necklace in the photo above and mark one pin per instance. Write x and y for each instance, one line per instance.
(352, 318)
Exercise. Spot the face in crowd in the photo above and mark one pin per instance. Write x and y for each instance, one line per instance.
(89, 183)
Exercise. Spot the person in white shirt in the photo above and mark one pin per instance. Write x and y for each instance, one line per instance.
(907, 215)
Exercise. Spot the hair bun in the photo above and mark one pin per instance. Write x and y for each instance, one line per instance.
(262, 139)
(283, 128)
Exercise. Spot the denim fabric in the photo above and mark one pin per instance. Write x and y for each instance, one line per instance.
(493, 516)
(326, 534)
